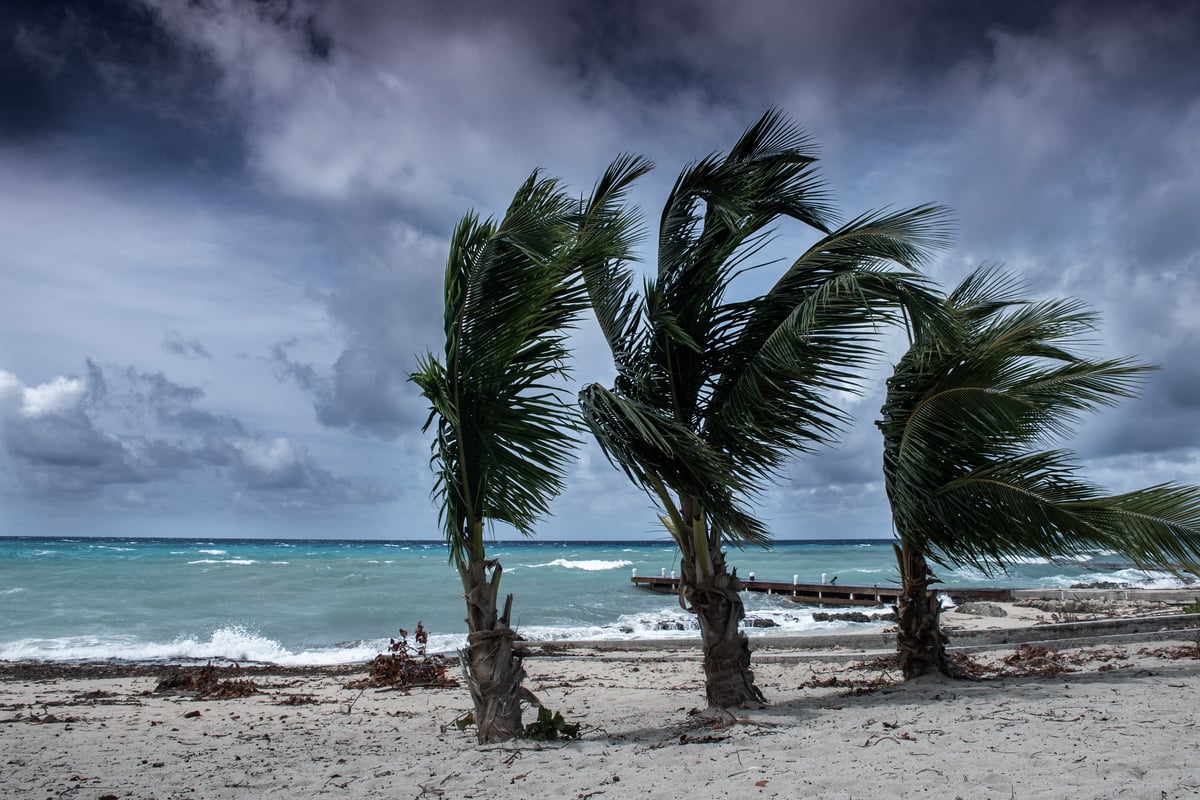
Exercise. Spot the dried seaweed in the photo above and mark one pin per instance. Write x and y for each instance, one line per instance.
(1037, 661)
(1173, 653)
(407, 665)
(206, 683)
(1026, 661)
(855, 686)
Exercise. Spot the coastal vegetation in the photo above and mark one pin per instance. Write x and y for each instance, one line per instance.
(503, 432)
(968, 409)
(714, 394)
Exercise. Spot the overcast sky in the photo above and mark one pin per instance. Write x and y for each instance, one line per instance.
(224, 225)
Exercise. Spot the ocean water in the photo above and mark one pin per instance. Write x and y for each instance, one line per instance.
(331, 602)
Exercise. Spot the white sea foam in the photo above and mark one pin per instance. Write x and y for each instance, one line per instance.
(776, 617)
(594, 565)
(224, 644)
(1134, 578)
(213, 552)
(238, 644)
(13, 590)
(240, 561)
(968, 574)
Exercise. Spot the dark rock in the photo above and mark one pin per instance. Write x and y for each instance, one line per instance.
(981, 610)
(763, 622)
(845, 616)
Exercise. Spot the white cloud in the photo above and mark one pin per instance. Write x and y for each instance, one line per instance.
(59, 396)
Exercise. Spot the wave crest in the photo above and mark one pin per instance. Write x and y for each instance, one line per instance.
(594, 565)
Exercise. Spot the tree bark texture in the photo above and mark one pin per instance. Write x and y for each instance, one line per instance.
(728, 679)
(491, 668)
(920, 642)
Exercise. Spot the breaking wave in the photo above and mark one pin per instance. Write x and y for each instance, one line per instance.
(587, 566)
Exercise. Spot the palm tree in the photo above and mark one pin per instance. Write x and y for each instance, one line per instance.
(712, 395)
(513, 288)
(967, 408)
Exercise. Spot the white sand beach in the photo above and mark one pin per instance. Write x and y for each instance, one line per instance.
(1098, 719)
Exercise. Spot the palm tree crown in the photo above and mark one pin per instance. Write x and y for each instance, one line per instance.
(712, 395)
(513, 290)
(966, 412)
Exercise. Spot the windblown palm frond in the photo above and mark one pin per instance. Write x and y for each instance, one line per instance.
(963, 418)
(662, 455)
(513, 290)
(750, 381)
(711, 395)
(780, 356)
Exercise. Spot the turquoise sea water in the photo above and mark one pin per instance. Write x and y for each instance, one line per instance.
(329, 602)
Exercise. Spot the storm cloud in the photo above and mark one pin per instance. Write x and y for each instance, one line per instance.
(77, 436)
(254, 199)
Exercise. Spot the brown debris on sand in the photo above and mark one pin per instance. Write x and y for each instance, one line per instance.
(206, 683)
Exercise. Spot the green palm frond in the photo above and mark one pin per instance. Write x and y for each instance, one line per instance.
(657, 452)
(963, 410)
(612, 233)
(1156, 527)
(712, 395)
(810, 336)
(513, 289)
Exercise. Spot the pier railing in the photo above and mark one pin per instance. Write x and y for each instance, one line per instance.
(825, 594)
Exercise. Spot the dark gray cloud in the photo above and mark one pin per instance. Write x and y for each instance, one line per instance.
(367, 390)
(107, 77)
(77, 435)
(175, 344)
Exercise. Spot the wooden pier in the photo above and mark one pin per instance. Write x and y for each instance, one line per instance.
(827, 594)
(824, 594)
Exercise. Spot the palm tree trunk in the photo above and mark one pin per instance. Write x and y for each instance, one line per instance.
(491, 668)
(919, 639)
(728, 679)
(712, 594)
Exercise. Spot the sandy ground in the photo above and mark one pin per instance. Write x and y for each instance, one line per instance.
(1098, 721)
